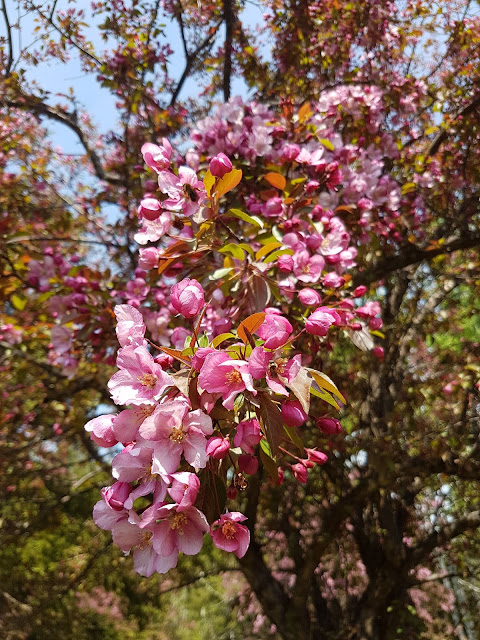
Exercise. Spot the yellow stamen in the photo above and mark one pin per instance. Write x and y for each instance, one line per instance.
(176, 435)
(148, 380)
(229, 530)
(178, 521)
(233, 377)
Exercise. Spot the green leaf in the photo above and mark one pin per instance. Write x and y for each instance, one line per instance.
(325, 396)
(292, 433)
(267, 461)
(324, 382)
(18, 302)
(220, 273)
(327, 144)
(255, 220)
(233, 250)
(221, 338)
(281, 252)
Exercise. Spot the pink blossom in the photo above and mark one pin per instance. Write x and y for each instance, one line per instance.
(101, 430)
(150, 208)
(319, 322)
(220, 165)
(300, 472)
(329, 425)
(285, 263)
(187, 297)
(275, 330)
(248, 464)
(333, 280)
(200, 355)
(369, 310)
(116, 495)
(186, 192)
(178, 337)
(248, 435)
(140, 380)
(157, 157)
(135, 464)
(130, 328)
(175, 528)
(229, 535)
(175, 431)
(137, 290)
(184, 489)
(309, 297)
(148, 258)
(318, 457)
(128, 422)
(218, 447)
(293, 413)
(307, 268)
(221, 374)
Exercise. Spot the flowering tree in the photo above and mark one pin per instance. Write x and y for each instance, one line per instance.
(292, 297)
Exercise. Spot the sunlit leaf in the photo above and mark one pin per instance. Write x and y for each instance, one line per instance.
(252, 323)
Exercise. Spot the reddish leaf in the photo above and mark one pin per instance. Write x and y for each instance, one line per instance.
(276, 180)
(271, 421)
(252, 323)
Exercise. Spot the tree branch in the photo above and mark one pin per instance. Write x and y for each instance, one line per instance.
(34, 105)
(229, 17)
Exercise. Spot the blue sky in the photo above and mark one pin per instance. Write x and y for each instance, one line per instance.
(59, 77)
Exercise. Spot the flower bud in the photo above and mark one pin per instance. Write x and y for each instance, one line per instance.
(218, 447)
(309, 297)
(329, 425)
(116, 495)
(150, 208)
(360, 291)
(220, 165)
(316, 456)
(187, 297)
(300, 472)
(379, 352)
(292, 413)
(248, 464)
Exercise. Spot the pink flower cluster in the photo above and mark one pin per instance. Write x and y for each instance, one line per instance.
(169, 437)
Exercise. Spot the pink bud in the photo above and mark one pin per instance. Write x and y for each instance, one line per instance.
(309, 297)
(375, 324)
(150, 208)
(316, 456)
(300, 472)
(220, 165)
(329, 425)
(187, 297)
(218, 447)
(360, 291)
(378, 352)
(248, 464)
(148, 258)
(319, 322)
(231, 492)
(116, 495)
(292, 413)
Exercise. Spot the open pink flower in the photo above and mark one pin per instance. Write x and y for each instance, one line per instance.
(175, 431)
(229, 535)
(128, 422)
(175, 528)
(186, 192)
(275, 330)
(277, 371)
(135, 464)
(221, 374)
(308, 268)
(140, 380)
